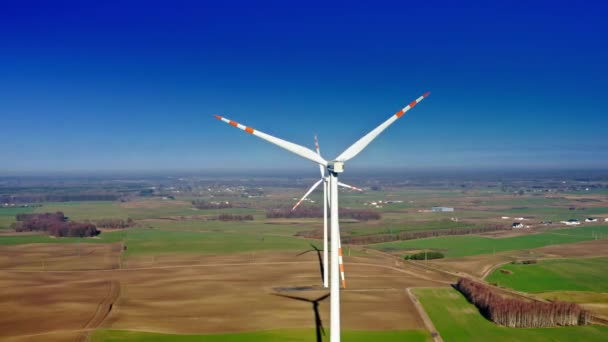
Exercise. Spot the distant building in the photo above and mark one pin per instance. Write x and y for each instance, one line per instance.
(517, 225)
(571, 222)
(505, 217)
(441, 209)
(590, 219)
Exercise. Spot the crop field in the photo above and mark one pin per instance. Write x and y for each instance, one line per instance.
(459, 246)
(555, 275)
(458, 320)
(480, 265)
(581, 280)
(7, 215)
(215, 294)
(295, 335)
(180, 274)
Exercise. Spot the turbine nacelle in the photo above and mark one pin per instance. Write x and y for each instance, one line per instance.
(335, 166)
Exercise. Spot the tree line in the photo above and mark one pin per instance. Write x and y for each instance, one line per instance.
(231, 217)
(378, 238)
(55, 224)
(115, 223)
(429, 255)
(517, 313)
(317, 212)
(35, 198)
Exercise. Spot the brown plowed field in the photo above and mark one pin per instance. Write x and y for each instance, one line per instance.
(55, 256)
(194, 294)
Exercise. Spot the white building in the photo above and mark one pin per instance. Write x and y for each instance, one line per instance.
(442, 209)
(571, 222)
(590, 219)
(517, 225)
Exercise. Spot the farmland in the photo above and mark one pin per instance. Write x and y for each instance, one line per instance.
(272, 335)
(459, 246)
(181, 273)
(555, 275)
(458, 320)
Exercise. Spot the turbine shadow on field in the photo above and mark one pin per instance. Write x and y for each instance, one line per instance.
(315, 307)
(315, 249)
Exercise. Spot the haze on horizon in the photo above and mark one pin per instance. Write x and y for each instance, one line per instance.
(112, 86)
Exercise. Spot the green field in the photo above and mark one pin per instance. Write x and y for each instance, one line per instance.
(170, 236)
(458, 320)
(465, 245)
(157, 241)
(295, 335)
(100, 210)
(7, 215)
(27, 238)
(555, 275)
(438, 223)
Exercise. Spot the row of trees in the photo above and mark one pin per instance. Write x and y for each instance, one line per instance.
(517, 313)
(35, 198)
(231, 217)
(31, 218)
(424, 256)
(377, 238)
(115, 223)
(202, 204)
(316, 212)
(55, 224)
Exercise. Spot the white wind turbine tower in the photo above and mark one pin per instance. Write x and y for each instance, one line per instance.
(334, 168)
(325, 180)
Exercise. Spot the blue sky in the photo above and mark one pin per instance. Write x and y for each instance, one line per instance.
(134, 86)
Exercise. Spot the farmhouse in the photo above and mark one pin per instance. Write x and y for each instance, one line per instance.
(590, 219)
(517, 225)
(571, 222)
(441, 209)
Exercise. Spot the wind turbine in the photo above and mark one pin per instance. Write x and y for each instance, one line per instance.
(325, 181)
(334, 168)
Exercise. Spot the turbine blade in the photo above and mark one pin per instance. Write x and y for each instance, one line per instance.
(358, 146)
(310, 250)
(321, 298)
(312, 188)
(293, 297)
(289, 146)
(319, 153)
(349, 186)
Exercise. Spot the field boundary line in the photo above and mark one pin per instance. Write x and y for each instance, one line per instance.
(424, 316)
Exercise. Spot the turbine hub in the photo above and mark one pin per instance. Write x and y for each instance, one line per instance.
(335, 166)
